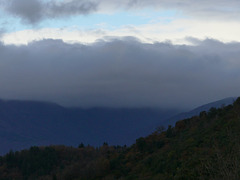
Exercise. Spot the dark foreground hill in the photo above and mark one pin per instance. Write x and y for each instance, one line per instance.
(202, 147)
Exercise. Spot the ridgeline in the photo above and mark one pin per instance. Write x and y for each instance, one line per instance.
(202, 147)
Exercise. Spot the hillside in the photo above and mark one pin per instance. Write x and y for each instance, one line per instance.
(201, 147)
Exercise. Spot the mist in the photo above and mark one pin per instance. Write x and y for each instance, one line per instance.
(121, 73)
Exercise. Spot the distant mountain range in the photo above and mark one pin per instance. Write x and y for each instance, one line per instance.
(27, 123)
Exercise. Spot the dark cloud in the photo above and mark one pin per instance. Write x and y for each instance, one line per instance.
(121, 73)
(29, 11)
(33, 11)
(73, 7)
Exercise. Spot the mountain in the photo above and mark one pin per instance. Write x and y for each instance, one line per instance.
(27, 123)
(202, 147)
(195, 112)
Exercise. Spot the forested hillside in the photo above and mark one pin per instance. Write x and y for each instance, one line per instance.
(202, 147)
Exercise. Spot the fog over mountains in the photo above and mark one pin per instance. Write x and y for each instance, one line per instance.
(27, 123)
(121, 73)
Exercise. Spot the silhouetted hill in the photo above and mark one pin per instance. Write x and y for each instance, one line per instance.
(202, 147)
(27, 123)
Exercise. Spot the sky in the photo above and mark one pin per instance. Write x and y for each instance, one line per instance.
(129, 53)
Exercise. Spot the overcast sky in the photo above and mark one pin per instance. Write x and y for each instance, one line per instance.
(129, 53)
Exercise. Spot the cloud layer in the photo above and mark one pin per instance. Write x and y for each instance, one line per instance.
(35, 10)
(121, 73)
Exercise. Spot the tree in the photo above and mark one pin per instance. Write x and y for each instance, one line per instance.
(81, 145)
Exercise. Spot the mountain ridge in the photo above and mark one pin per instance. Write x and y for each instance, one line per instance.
(201, 147)
(27, 123)
(42, 123)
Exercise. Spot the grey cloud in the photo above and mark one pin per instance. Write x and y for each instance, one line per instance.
(121, 73)
(73, 7)
(29, 11)
(33, 11)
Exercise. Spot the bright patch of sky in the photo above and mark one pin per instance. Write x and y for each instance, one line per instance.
(11, 24)
(74, 28)
(93, 21)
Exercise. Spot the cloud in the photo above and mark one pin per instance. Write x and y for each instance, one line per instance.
(35, 11)
(29, 11)
(200, 8)
(73, 7)
(121, 73)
